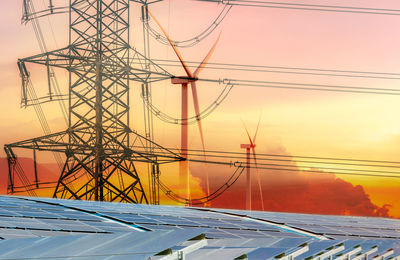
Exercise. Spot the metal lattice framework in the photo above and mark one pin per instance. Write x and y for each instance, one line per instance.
(100, 147)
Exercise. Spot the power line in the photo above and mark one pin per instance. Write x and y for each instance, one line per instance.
(297, 161)
(294, 156)
(296, 85)
(202, 200)
(194, 40)
(241, 164)
(285, 70)
(305, 86)
(192, 119)
(308, 7)
(238, 159)
(243, 155)
(314, 164)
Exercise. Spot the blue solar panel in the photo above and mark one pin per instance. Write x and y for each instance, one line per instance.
(329, 225)
(291, 242)
(126, 244)
(80, 227)
(315, 248)
(265, 253)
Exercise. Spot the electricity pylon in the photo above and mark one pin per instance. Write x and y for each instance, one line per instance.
(100, 147)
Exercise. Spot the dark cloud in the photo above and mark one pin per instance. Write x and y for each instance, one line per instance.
(297, 191)
(302, 192)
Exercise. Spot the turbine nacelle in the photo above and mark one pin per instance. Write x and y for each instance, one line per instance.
(183, 80)
(247, 146)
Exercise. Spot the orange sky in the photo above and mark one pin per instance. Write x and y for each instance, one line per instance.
(297, 122)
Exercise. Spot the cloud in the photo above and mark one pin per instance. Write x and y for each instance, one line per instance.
(297, 191)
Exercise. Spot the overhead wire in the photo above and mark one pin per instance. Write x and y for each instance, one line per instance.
(305, 86)
(38, 108)
(279, 159)
(35, 100)
(241, 164)
(24, 180)
(192, 119)
(284, 70)
(194, 40)
(308, 7)
(230, 154)
(52, 76)
(146, 100)
(216, 157)
(230, 83)
(205, 199)
(28, 16)
(345, 166)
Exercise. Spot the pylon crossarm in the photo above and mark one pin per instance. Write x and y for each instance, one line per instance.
(70, 142)
(148, 64)
(69, 58)
(53, 142)
(163, 154)
(60, 58)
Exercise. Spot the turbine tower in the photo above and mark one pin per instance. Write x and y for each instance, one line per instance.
(100, 147)
(251, 146)
(184, 81)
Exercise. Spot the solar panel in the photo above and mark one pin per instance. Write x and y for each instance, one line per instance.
(217, 253)
(265, 253)
(88, 229)
(316, 247)
(97, 246)
(329, 225)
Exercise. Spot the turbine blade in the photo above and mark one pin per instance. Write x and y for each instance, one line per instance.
(197, 111)
(258, 178)
(258, 125)
(204, 62)
(185, 67)
(247, 131)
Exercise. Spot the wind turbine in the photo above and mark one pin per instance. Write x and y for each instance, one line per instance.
(251, 146)
(191, 79)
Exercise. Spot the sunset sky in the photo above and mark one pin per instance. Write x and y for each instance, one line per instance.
(293, 122)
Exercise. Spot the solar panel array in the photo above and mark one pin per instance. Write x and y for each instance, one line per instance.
(330, 226)
(37, 228)
(148, 217)
(25, 218)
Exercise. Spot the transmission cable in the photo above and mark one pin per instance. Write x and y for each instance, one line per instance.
(315, 170)
(28, 16)
(230, 154)
(193, 119)
(202, 200)
(305, 86)
(42, 44)
(284, 70)
(239, 159)
(194, 40)
(32, 93)
(309, 7)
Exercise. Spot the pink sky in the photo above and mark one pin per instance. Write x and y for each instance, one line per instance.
(300, 122)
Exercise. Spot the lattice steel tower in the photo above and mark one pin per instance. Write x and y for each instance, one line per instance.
(99, 145)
